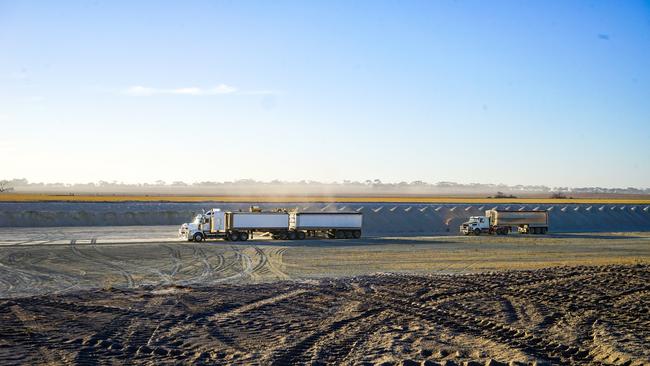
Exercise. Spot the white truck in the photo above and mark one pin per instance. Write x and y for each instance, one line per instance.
(281, 225)
(501, 222)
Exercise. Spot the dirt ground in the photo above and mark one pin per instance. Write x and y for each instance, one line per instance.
(61, 260)
(115, 299)
(562, 315)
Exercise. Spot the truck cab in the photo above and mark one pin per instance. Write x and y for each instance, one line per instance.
(476, 225)
(199, 228)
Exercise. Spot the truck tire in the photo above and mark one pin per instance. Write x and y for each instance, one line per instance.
(198, 237)
(301, 235)
(348, 234)
(243, 236)
(339, 234)
(292, 235)
(477, 231)
(356, 234)
(283, 236)
(233, 236)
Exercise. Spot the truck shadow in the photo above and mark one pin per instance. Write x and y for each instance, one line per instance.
(593, 236)
(364, 241)
(414, 240)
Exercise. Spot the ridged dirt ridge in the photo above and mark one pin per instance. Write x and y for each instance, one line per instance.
(563, 315)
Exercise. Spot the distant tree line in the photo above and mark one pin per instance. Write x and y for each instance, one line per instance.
(250, 186)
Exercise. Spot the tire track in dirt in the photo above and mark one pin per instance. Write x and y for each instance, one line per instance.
(17, 279)
(80, 253)
(60, 282)
(260, 267)
(32, 278)
(336, 347)
(537, 347)
(129, 268)
(246, 267)
(257, 304)
(222, 267)
(508, 310)
(15, 332)
(332, 340)
(272, 262)
(104, 340)
(175, 256)
(299, 352)
(200, 257)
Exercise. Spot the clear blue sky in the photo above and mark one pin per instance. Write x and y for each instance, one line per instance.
(515, 92)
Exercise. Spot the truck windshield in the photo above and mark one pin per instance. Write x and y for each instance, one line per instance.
(197, 219)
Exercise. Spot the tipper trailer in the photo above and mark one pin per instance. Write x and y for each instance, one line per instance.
(335, 225)
(501, 222)
(281, 225)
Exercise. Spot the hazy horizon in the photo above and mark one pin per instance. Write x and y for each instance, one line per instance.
(532, 93)
(250, 186)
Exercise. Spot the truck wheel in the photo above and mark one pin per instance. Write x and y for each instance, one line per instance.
(283, 236)
(243, 236)
(301, 235)
(356, 234)
(330, 236)
(348, 234)
(233, 236)
(292, 235)
(339, 234)
(477, 231)
(198, 237)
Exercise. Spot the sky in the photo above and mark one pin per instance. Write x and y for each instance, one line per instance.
(516, 92)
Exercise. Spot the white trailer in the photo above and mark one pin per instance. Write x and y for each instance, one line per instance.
(335, 225)
(255, 221)
(236, 226)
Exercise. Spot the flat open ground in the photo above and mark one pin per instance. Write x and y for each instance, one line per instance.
(107, 295)
(46, 260)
